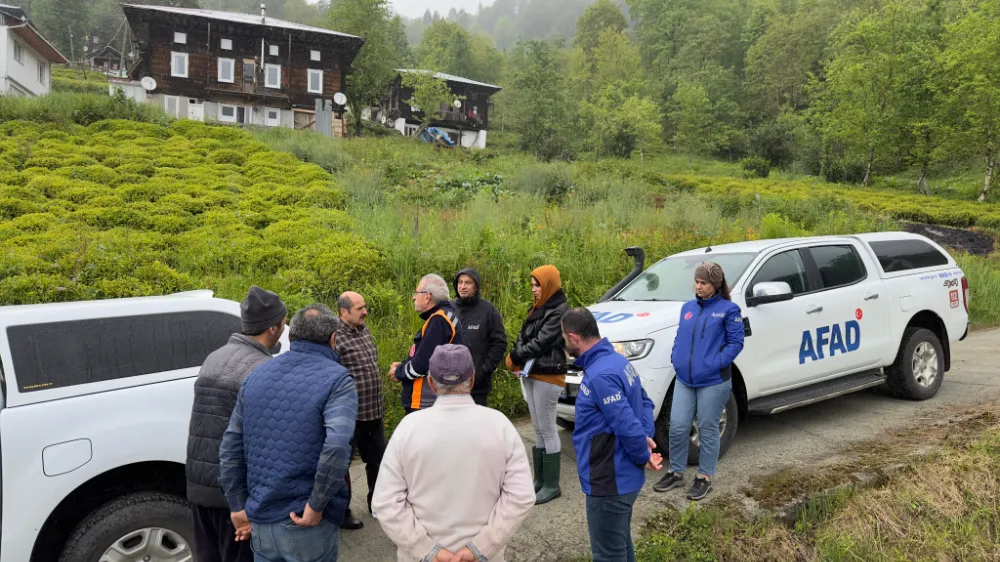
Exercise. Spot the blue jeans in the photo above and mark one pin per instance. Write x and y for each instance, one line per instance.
(609, 520)
(706, 403)
(287, 542)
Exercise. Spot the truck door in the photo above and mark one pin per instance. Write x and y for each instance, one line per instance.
(771, 355)
(852, 330)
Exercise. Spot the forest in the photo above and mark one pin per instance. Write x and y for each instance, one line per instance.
(853, 91)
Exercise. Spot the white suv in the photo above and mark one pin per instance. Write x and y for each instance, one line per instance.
(823, 317)
(94, 421)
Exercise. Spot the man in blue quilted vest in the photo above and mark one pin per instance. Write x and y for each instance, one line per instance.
(288, 446)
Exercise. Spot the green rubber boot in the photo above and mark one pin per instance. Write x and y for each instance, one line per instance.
(536, 454)
(550, 478)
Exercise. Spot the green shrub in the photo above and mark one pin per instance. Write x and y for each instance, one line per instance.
(755, 167)
(324, 196)
(553, 181)
(225, 156)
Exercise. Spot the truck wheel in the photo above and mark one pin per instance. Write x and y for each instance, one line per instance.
(134, 528)
(919, 367)
(728, 425)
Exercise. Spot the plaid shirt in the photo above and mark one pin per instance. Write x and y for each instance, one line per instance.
(357, 350)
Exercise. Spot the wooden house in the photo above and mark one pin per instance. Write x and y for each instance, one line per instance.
(107, 60)
(465, 122)
(237, 68)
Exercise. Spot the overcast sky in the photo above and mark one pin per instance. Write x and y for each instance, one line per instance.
(415, 8)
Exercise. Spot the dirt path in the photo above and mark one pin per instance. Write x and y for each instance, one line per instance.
(558, 530)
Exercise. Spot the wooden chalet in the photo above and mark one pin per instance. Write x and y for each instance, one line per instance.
(465, 125)
(237, 68)
(107, 60)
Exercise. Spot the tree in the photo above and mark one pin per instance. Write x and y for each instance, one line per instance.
(375, 66)
(971, 92)
(536, 97)
(58, 19)
(446, 47)
(696, 132)
(430, 94)
(599, 17)
(620, 122)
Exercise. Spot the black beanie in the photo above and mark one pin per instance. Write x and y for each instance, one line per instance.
(261, 310)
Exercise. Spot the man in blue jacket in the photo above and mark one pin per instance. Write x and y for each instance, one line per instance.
(288, 446)
(612, 438)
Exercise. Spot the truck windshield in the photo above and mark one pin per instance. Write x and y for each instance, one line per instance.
(673, 278)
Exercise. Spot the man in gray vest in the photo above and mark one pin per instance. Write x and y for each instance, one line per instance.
(263, 317)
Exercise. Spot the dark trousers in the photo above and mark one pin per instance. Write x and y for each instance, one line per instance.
(369, 440)
(215, 537)
(609, 520)
(481, 399)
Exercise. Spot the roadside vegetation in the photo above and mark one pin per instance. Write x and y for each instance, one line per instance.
(939, 505)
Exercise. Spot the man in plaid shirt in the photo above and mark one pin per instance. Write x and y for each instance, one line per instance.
(357, 350)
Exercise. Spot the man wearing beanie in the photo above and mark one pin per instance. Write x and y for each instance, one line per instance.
(455, 482)
(263, 322)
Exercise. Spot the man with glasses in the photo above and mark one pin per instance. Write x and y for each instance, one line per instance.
(441, 326)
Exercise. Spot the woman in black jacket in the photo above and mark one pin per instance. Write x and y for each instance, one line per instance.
(541, 343)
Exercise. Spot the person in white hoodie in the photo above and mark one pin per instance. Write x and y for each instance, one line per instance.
(455, 449)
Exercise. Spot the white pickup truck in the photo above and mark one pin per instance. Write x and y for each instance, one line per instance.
(93, 425)
(823, 317)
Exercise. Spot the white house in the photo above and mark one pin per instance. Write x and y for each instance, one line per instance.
(26, 58)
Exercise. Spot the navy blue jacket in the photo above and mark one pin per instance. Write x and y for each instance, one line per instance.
(613, 418)
(709, 338)
(289, 439)
(441, 327)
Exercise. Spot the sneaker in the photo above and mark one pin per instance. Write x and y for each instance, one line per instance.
(669, 482)
(699, 489)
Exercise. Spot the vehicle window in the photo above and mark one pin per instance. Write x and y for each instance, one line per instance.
(838, 265)
(903, 255)
(61, 354)
(787, 267)
(673, 279)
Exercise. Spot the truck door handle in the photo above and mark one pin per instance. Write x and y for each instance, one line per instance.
(814, 310)
(871, 296)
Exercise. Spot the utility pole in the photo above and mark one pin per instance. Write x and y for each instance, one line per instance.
(72, 50)
(121, 55)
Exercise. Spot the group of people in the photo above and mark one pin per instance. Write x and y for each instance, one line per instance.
(272, 435)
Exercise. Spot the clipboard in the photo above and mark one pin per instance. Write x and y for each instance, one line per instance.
(527, 368)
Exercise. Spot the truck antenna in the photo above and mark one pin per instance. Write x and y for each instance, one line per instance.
(712, 235)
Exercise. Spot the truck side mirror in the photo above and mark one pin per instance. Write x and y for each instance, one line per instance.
(770, 292)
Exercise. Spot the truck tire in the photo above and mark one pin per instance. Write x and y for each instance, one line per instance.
(142, 526)
(730, 419)
(918, 370)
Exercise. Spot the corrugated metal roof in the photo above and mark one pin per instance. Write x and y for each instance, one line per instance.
(248, 19)
(451, 78)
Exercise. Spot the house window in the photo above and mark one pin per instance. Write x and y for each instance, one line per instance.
(227, 70)
(272, 78)
(172, 105)
(235, 114)
(179, 65)
(226, 44)
(274, 50)
(41, 73)
(315, 81)
(272, 117)
(249, 71)
(227, 113)
(181, 38)
(18, 52)
(314, 55)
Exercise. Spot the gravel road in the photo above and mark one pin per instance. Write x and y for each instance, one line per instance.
(558, 530)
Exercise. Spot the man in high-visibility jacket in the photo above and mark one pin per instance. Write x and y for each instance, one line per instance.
(441, 326)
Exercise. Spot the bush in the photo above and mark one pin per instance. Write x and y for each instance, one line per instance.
(226, 156)
(553, 181)
(755, 167)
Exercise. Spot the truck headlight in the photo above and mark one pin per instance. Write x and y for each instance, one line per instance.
(634, 350)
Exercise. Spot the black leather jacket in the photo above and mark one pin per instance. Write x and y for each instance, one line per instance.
(541, 338)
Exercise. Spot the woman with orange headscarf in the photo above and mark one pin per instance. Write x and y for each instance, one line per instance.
(541, 344)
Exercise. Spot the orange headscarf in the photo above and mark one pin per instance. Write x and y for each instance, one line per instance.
(548, 277)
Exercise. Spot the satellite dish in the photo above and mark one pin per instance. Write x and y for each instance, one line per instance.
(339, 98)
(457, 104)
(148, 83)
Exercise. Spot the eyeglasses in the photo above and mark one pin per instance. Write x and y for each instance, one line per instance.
(415, 293)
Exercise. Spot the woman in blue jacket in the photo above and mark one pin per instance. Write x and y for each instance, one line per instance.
(709, 338)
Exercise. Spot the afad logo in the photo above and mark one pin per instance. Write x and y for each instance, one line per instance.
(689, 315)
(611, 317)
(832, 339)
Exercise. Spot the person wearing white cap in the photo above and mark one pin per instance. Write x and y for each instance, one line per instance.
(455, 449)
